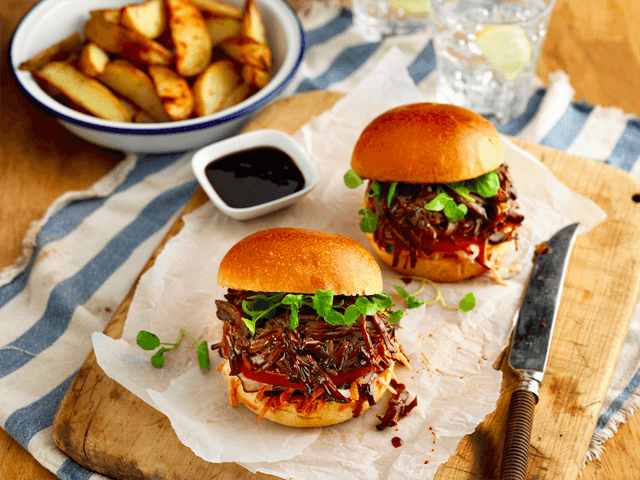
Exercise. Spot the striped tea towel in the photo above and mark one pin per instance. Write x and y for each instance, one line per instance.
(82, 258)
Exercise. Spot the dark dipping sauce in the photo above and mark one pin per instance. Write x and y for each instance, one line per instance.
(255, 176)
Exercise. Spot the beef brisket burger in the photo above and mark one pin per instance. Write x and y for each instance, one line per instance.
(440, 203)
(308, 336)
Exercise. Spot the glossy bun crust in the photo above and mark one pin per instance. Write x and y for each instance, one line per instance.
(296, 260)
(427, 143)
(321, 414)
(442, 268)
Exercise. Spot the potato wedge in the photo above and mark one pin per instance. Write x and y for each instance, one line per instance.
(237, 95)
(110, 15)
(252, 25)
(221, 28)
(174, 92)
(214, 85)
(254, 76)
(218, 8)
(132, 83)
(143, 117)
(148, 18)
(247, 51)
(190, 37)
(122, 41)
(130, 107)
(58, 51)
(84, 91)
(93, 60)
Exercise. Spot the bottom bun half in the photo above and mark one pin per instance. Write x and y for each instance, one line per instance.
(297, 413)
(442, 268)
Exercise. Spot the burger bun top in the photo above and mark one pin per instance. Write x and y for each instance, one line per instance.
(297, 260)
(427, 143)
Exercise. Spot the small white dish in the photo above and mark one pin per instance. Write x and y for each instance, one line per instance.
(246, 142)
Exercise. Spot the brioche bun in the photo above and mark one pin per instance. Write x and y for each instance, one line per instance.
(441, 268)
(322, 413)
(427, 143)
(296, 260)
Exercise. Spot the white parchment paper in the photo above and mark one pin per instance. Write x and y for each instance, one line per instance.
(451, 352)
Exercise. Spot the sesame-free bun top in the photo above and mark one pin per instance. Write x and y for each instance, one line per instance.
(296, 260)
(427, 143)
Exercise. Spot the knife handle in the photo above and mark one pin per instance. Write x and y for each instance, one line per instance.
(515, 453)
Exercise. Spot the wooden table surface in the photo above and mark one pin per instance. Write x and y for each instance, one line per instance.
(597, 42)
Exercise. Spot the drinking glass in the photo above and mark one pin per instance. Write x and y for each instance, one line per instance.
(486, 53)
(376, 19)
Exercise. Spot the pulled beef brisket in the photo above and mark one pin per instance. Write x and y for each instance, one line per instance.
(407, 225)
(397, 408)
(310, 356)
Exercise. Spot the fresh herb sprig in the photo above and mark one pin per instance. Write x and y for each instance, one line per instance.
(150, 341)
(486, 186)
(467, 303)
(264, 305)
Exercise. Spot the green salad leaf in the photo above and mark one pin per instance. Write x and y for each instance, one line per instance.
(150, 341)
(468, 303)
(263, 305)
(352, 179)
(369, 222)
(375, 191)
(412, 302)
(487, 185)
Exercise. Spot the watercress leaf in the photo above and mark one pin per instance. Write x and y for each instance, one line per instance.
(293, 318)
(366, 306)
(391, 193)
(468, 303)
(158, 358)
(455, 212)
(394, 317)
(261, 304)
(147, 340)
(462, 189)
(291, 299)
(413, 302)
(487, 185)
(323, 302)
(251, 325)
(334, 318)
(368, 223)
(375, 190)
(402, 292)
(439, 202)
(383, 300)
(203, 355)
(351, 314)
(352, 179)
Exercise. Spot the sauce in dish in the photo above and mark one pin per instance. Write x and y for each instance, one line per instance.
(254, 176)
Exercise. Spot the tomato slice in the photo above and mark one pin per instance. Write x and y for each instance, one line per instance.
(280, 380)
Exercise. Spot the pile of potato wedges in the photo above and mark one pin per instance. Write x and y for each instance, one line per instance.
(158, 61)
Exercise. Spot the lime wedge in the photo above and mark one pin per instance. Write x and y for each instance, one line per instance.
(506, 47)
(411, 7)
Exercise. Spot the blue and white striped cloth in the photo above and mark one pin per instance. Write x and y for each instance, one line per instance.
(83, 257)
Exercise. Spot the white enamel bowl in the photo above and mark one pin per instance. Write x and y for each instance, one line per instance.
(52, 20)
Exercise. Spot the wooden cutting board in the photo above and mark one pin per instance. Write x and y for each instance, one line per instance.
(109, 430)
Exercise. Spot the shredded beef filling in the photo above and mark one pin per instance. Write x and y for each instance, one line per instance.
(407, 225)
(398, 406)
(310, 354)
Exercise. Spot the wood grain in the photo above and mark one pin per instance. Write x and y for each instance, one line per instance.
(104, 427)
(597, 42)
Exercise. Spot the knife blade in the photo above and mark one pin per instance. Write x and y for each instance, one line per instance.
(530, 347)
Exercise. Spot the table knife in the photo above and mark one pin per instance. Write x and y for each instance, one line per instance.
(530, 346)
